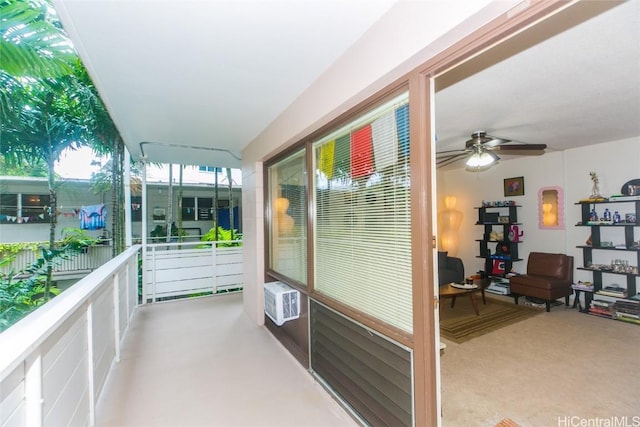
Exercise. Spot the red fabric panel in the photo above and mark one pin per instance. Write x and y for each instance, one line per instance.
(361, 153)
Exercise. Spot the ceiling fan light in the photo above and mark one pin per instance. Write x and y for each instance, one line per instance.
(474, 161)
(479, 160)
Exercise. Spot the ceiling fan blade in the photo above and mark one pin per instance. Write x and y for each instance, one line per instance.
(449, 160)
(494, 142)
(520, 147)
(449, 152)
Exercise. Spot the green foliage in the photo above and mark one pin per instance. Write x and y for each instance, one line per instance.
(225, 238)
(24, 167)
(32, 41)
(76, 239)
(159, 233)
(23, 292)
(9, 250)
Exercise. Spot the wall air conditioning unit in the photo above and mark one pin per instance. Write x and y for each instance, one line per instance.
(281, 302)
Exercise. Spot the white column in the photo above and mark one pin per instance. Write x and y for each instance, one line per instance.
(33, 389)
(90, 366)
(127, 199)
(116, 315)
(145, 218)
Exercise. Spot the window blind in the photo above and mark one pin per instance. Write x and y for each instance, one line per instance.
(362, 218)
(288, 205)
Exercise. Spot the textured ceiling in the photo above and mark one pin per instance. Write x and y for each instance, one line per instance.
(579, 86)
(212, 75)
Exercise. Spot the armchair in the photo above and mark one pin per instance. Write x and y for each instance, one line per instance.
(549, 277)
(450, 269)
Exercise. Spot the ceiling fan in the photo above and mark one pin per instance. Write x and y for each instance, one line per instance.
(480, 150)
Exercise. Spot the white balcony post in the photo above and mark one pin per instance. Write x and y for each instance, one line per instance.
(127, 197)
(116, 316)
(145, 218)
(33, 389)
(153, 274)
(90, 366)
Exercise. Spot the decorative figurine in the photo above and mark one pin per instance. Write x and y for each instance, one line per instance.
(515, 234)
(595, 190)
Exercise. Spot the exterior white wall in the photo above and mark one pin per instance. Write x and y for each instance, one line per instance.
(73, 194)
(614, 162)
(408, 35)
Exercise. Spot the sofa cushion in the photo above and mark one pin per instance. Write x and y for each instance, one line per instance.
(548, 265)
(442, 259)
(539, 282)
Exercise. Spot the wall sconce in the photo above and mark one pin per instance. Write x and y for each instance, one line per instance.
(449, 221)
(551, 208)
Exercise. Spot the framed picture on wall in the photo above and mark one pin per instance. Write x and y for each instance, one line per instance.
(514, 186)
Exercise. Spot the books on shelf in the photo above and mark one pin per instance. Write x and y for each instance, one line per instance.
(583, 286)
(624, 309)
(614, 291)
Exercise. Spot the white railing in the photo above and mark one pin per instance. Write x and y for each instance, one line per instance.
(54, 362)
(93, 258)
(188, 268)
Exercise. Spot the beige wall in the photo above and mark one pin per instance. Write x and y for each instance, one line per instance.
(409, 34)
(615, 163)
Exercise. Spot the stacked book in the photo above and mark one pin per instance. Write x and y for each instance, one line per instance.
(604, 300)
(628, 309)
(583, 286)
(613, 291)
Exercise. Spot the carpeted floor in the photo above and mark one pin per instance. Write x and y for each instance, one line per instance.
(460, 324)
(558, 368)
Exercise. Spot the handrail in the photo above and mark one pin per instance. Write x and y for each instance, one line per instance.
(18, 341)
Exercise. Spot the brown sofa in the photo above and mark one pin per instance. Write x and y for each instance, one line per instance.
(549, 277)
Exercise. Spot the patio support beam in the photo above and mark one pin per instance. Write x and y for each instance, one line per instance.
(127, 197)
(116, 316)
(91, 366)
(145, 218)
(33, 389)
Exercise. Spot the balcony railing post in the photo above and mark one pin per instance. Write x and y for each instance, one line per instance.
(33, 389)
(116, 315)
(153, 274)
(214, 274)
(90, 366)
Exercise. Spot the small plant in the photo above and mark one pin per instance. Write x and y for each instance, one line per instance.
(76, 238)
(224, 237)
(159, 233)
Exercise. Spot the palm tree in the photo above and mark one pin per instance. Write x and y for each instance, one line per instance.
(51, 122)
(33, 45)
(48, 103)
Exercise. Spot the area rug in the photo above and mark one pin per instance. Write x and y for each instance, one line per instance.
(507, 422)
(460, 324)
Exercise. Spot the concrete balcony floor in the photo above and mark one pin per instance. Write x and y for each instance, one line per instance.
(201, 362)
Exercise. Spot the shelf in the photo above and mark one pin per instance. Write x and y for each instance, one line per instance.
(496, 241)
(498, 223)
(609, 248)
(499, 259)
(620, 224)
(628, 245)
(497, 207)
(594, 270)
(602, 202)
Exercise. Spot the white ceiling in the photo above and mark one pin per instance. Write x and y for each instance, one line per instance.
(214, 74)
(210, 73)
(578, 87)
